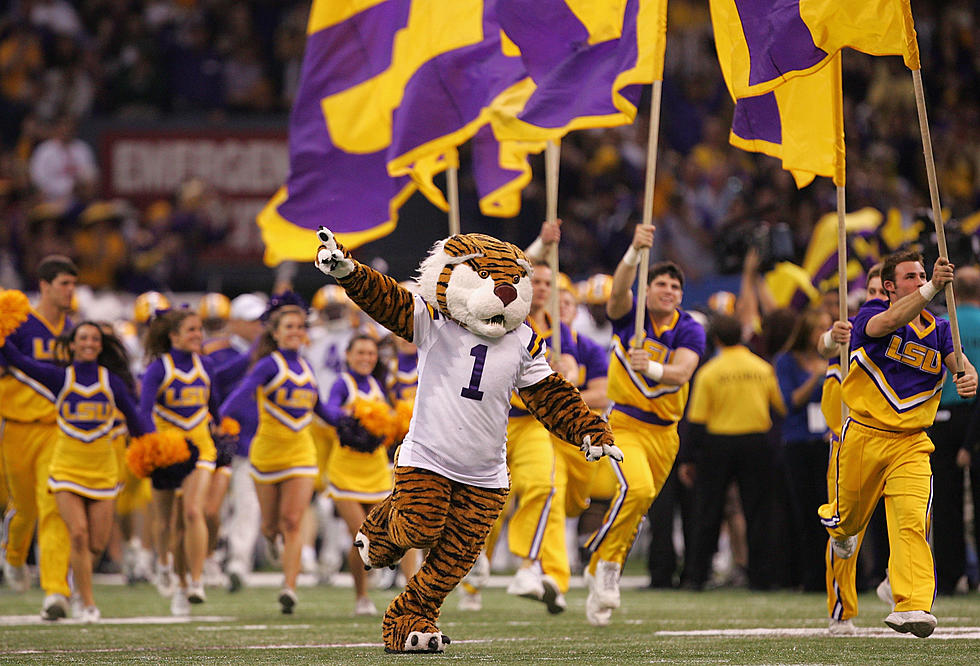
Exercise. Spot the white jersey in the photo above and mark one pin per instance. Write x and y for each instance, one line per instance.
(459, 426)
(326, 353)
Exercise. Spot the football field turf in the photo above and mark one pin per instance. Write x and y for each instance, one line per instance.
(715, 627)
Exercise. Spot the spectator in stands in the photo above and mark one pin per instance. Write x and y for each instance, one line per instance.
(63, 164)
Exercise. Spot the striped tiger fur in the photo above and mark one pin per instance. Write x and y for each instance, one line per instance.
(558, 405)
(427, 510)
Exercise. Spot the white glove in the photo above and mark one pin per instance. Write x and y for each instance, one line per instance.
(593, 453)
(329, 258)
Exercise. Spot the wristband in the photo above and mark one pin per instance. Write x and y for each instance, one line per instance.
(632, 257)
(655, 371)
(928, 290)
(828, 342)
(536, 249)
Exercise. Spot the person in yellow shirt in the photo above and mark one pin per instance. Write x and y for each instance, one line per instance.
(27, 437)
(732, 400)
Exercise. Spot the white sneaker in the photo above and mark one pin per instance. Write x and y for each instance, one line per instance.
(236, 578)
(287, 601)
(55, 607)
(18, 579)
(841, 627)
(364, 606)
(469, 601)
(844, 547)
(527, 583)
(273, 550)
(884, 591)
(917, 622)
(195, 592)
(130, 560)
(77, 605)
(166, 582)
(91, 615)
(212, 575)
(553, 598)
(606, 582)
(596, 615)
(179, 605)
(479, 575)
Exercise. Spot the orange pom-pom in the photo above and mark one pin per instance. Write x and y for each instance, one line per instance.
(376, 417)
(155, 450)
(403, 418)
(229, 427)
(14, 308)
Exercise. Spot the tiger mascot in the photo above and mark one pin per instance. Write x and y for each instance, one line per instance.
(451, 478)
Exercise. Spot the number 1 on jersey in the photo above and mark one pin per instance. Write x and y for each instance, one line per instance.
(473, 392)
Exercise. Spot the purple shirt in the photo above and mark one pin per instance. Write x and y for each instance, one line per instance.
(177, 387)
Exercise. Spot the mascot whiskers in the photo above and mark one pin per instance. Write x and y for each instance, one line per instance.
(451, 478)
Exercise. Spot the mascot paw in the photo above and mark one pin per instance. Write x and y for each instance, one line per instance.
(422, 641)
(593, 453)
(361, 543)
(330, 257)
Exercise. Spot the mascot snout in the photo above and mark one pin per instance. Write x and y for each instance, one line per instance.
(506, 293)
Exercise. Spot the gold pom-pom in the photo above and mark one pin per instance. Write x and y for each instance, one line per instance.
(155, 450)
(229, 427)
(376, 417)
(403, 418)
(14, 308)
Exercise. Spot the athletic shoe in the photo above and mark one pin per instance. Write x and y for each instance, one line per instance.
(166, 582)
(553, 598)
(841, 627)
(884, 591)
(527, 583)
(273, 550)
(479, 575)
(844, 547)
(383, 578)
(91, 615)
(18, 579)
(287, 601)
(235, 581)
(55, 607)
(606, 584)
(364, 606)
(77, 605)
(195, 593)
(179, 605)
(917, 622)
(470, 601)
(130, 559)
(596, 615)
(212, 576)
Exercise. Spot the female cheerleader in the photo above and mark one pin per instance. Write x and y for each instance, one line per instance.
(84, 474)
(358, 471)
(177, 393)
(283, 455)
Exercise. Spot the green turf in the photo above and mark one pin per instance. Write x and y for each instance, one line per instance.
(508, 630)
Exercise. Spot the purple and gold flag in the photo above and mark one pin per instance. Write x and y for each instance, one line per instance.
(769, 42)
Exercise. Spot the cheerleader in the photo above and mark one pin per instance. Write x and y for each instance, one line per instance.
(178, 395)
(358, 471)
(84, 474)
(283, 454)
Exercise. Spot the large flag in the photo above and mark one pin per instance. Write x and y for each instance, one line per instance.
(800, 122)
(388, 89)
(769, 42)
(586, 63)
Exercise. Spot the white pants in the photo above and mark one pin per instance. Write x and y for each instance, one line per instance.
(243, 525)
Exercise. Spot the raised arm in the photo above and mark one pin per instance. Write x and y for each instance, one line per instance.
(621, 299)
(907, 308)
(126, 402)
(51, 376)
(385, 301)
(149, 388)
(240, 399)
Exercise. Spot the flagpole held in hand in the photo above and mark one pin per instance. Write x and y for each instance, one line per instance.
(641, 285)
(552, 160)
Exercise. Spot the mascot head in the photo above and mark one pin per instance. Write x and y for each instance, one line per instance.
(479, 281)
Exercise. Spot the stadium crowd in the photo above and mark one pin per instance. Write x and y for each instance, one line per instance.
(64, 64)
